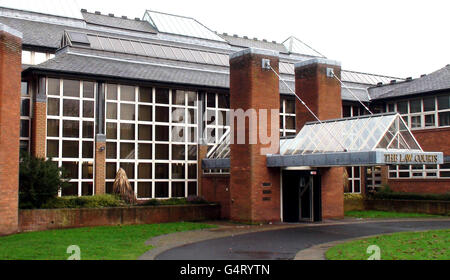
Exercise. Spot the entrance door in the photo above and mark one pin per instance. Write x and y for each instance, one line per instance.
(301, 196)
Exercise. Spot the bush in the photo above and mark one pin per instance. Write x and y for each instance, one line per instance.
(353, 196)
(387, 193)
(98, 201)
(39, 181)
(175, 201)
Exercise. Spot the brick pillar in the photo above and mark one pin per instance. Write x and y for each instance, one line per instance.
(39, 121)
(10, 77)
(100, 164)
(322, 94)
(254, 188)
(202, 151)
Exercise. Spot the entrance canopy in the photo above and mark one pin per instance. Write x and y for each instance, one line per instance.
(381, 139)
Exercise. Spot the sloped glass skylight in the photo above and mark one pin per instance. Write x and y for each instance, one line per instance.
(185, 26)
(294, 45)
(366, 133)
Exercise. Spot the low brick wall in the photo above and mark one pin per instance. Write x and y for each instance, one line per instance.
(410, 206)
(45, 219)
(354, 205)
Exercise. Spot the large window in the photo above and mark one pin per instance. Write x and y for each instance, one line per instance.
(420, 171)
(151, 134)
(287, 117)
(70, 132)
(373, 177)
(354, 180)
(25, 118)
(422, 113)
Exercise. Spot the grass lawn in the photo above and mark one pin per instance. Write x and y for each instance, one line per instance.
(383, 214)
(96, 243)
(430, 245)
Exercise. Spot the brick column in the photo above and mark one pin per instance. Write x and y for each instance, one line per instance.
(202, 151)
(322, 94)
(100, 164)
(39, 121)
(10, 78)
(254, 188)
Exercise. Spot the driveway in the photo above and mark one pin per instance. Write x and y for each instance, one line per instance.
(283, 244)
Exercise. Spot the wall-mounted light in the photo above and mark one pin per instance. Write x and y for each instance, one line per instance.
(101, 149)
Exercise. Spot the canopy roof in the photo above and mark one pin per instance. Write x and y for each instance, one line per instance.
(364, 133)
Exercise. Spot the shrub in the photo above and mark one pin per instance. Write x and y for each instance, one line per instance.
(98, 201)
(175, 201)
(353, 196)
(39, 181)
(387, 193)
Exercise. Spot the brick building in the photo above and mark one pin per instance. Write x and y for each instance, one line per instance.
(100, 92)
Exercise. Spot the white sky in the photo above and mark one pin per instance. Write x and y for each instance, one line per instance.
(391, 37)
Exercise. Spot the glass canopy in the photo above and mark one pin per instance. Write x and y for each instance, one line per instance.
(364, 133)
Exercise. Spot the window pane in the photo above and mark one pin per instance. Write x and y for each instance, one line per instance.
(192, 171)
(145, 151)
(127, 93)
(161, 189)
(290, 107)
(162, 96)
(444, 102)
(429, 104)
(71, 190)
(24, 128)
(444, 119)
(87, 170)
(111, 111)
(161, 133)
(415, 106)
(53, 107)
(178, 97)
(127, 112)
(144, 190)
(70, 149)
(192, 188)
(88, 149)
(39, 57)
(211, 100)
(111, 170)
(162, 114)
(145, 132)
(53, 86)
(145, 94)
(178, 115)
(88, 89)
(88, 109)
(111, 92)
(416, 122)
(178, 152)
(71, 88)
(224, 101)
(402, 107)
(71, 129)
(178, 189)
(25, 107)
(111, 150)
(52, 148)
(53, 128)
(145, 113)
(127, 131)
(111, 131)
(71, 108)
(430, 120)
(178, 171)
(87, 188)
(192, 97)
(192, 152)
(290, 122)
(161, 171)
(129, 169)
(192, 118)
(145, 171)
(127, 151)
(162, 151)
(88, 130)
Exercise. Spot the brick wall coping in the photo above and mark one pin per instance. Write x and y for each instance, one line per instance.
(254, 51)
(126, 207)
(10, 30)
(317, 61)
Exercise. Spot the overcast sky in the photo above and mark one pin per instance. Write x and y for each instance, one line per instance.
(391, 37)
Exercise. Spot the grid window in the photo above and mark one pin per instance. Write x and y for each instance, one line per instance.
(146, 136)
(354, 180)
(25, 118)
(373, 177)
(287, 117)
(70, 132)
(420, 171)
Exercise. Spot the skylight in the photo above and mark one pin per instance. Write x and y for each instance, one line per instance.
(167, 23)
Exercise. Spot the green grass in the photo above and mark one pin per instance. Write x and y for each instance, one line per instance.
(384, 214)
(430, 245)
(97, 243)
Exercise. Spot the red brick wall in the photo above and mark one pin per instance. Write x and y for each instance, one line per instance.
(216, 189)
(39, 129)
(322, 94)
(10, 77)
(36, 220)
(434, 140)
(251, 87)
(100, 167)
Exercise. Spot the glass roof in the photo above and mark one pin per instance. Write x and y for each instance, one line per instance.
(366, 133)
(179, 25)
(156, 50)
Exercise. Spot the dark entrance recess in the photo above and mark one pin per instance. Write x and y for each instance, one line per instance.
(301, 196)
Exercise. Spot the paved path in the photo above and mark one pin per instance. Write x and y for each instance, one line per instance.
(285, 243)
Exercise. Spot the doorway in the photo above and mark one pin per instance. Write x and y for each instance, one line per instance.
(301, 196)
